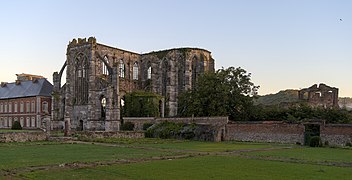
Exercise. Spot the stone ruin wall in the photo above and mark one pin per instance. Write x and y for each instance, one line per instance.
(320, 96)
(172, 72)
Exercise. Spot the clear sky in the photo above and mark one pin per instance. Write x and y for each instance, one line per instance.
(285, 44)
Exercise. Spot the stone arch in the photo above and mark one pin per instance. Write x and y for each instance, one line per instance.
(104, 67)
(195, 70)
(109, 68)
(135, 71)
(164, 76)
(103, 107)
(181, 76)
(81, 68)
(61, 72)
(122, 68)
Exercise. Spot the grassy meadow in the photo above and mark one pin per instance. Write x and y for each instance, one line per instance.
(170, 159)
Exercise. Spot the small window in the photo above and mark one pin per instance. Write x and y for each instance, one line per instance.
(135, 71)
(15, 107)
(22, 121)
(5, 107)
(1, 108)
(6, 123)
(28, 106)
(33, 122)
(33, 106)
(149, 72)
(10, 107)
(45, 107)
(10, 121)
(103, 108)
(28, 122)
(122, 69)
(22, 107)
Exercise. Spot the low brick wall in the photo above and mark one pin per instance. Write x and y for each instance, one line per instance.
(336, 134)
(197, 120)
(140, 121)
(119, 134)
(277, 132)
(22, 136)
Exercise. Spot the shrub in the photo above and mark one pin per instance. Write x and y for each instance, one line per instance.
(326, 143)
(315, 141)
(128, 126)
(349, 144)
(16, 125)
(167, 130)
(146, 125)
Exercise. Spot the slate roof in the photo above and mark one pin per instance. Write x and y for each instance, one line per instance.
(39, 87)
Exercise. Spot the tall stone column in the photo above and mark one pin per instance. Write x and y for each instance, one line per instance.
(112, 123)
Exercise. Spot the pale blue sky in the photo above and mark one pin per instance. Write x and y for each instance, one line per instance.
(285, 44)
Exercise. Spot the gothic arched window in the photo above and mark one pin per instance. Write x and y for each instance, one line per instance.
(135, 71)
(122, 69)
(81, 79)
(103, 107)
(105, 68)
(149, 76)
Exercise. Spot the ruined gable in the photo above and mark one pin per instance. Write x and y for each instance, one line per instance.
(320, 95)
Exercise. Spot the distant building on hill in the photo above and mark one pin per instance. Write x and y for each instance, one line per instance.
(26, 100)
(320, 95)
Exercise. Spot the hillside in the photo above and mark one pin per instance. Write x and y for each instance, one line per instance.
(282, 97)
(290, 96)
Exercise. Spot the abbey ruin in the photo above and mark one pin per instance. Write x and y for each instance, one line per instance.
(98, 76)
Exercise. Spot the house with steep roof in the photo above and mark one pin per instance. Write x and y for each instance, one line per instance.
(26, 100)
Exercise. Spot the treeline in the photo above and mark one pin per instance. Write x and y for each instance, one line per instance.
(299, 113)
(230, 92)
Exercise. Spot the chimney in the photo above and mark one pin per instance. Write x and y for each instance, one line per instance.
(3, 84)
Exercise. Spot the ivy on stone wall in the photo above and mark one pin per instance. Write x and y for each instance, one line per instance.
(141, 104)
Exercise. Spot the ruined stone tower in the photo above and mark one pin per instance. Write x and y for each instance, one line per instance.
(98, 76)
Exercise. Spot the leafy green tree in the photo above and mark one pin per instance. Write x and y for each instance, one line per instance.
(227, 92)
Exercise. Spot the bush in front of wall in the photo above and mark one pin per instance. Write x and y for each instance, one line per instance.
(16, 126)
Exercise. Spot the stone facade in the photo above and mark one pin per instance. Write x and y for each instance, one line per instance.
(98, 76)
(320, 96)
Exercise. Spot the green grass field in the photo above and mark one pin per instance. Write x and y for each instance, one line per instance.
(171, 159)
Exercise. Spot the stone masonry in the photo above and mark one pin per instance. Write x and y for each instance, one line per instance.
(98, 76)
(320, 95)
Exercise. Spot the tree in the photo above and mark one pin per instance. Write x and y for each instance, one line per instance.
(227, 92)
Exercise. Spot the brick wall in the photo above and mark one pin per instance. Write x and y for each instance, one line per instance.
(336, 134)
(278, 132)
(140, 121)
